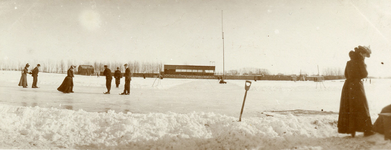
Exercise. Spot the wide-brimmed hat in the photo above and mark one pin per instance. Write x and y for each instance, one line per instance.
(27, 65)
(364, 50)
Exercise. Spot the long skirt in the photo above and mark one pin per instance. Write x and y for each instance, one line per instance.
(23, 80)
(67, 85)
(379, 123)
(354, 112)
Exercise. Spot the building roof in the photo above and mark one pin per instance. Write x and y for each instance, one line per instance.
(198, 67)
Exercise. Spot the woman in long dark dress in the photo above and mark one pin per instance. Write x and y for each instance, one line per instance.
(354, 112)
(23, 78)
(67, 84)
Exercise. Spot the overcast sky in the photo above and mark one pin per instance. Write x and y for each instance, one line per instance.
(282, 36)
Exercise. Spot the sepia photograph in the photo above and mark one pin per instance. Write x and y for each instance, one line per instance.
(195, 74)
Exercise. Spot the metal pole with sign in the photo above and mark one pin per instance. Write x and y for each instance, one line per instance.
(246, 87)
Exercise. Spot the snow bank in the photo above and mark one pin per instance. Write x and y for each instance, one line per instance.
(35, 127)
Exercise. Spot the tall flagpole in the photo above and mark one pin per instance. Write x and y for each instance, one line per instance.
(222, 31)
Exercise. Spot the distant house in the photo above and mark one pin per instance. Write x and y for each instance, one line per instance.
(85, 70)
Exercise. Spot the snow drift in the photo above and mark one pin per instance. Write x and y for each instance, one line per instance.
(35, 127)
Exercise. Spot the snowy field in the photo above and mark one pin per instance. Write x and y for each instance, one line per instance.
(180, 114)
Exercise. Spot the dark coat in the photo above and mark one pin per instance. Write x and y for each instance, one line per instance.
(107, 73)
(117, 74)
(35, 71)
(67, 84)
(23, 78)
(127, 74)
(354, 112)
(70, 73)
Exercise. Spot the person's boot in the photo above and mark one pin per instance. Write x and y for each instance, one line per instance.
(106, 93)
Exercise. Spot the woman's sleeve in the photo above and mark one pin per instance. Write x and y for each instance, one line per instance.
(363, 69)
(346, 71)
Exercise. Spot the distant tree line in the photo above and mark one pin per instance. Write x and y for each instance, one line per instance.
(248, 71)
(62, 66)
(332, 72)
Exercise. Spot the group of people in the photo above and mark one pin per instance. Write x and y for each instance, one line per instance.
(67, 84)
(118, 76)
(354, 113)
(34, 73)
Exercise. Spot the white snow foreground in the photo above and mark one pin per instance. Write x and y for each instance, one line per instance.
(35, 127)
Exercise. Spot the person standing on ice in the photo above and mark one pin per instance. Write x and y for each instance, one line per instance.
(117, 76)
(354, 112)
(109, 78)
(23, 78)
(128, 78)
(34, 73)
(67, 84)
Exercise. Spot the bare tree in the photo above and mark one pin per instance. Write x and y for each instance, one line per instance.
(131, 67)
(332, 72)
(254, 71)
(136, 66)
(62, 66)
(233, 72)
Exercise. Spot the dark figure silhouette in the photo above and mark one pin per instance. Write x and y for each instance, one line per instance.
(117, 76)
(23, 78)
(67, 84)
(379, 123)
(128, 78)
(34, 73)
(354, 112)
(109, 78)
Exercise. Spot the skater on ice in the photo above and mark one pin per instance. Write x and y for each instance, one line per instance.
(34, 73)
(109, 78)
(128, 78)
(67, 84)
(354, 113)
(117, 76)
(23, 78)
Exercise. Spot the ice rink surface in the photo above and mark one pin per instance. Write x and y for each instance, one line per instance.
(178, 113)
(186, 95)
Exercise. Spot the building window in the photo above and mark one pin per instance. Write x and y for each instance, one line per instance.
(180, 70)
(209, 71)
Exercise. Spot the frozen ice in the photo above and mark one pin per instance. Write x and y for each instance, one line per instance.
(179, 114)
